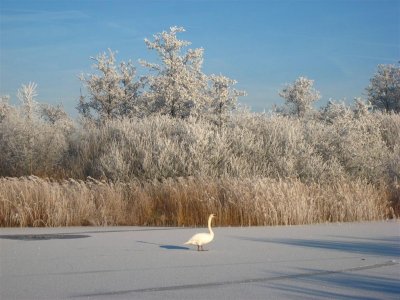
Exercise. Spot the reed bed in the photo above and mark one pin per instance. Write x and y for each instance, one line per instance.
(37, 202)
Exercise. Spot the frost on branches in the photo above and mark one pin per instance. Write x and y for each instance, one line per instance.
(113, 92)
(26, 94)
(178, 87)
(4, 106)
(33, 111)
(223, 97)
(300, 95)
(384, 88)
(33, 136)
(175, 86)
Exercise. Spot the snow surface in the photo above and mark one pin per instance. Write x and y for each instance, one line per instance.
(341, 261)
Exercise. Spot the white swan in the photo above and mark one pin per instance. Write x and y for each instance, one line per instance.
(201, 239)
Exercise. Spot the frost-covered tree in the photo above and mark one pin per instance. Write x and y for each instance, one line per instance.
(4, 106)
(27, 94)
(361, 107)
(223, 97)
(384, 89)
(113, 91)
(334, 110)
(300, 95)
(4, 99)
(178, 87)
(52, 114)
(33, 137)
(338, 109)
(56, 116)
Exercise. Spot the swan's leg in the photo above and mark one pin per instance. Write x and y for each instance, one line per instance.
(198, 248)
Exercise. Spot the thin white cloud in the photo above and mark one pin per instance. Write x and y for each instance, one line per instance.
(9, 16)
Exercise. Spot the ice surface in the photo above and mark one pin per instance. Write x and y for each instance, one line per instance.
(342, 261)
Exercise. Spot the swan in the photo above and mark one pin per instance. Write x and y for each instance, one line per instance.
(203, 238)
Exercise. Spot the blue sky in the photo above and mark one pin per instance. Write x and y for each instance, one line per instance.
(261, 44)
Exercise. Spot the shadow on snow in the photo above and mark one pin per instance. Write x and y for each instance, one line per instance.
(389, 247)
(168, 247)
(357, 286)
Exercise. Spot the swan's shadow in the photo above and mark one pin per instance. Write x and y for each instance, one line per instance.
(173, 247)
(168, 247)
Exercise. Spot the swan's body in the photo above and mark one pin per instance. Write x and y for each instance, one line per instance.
(201, 239)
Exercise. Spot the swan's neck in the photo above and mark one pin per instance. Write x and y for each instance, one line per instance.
(209, 225)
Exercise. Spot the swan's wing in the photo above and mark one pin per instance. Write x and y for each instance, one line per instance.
(195, 238)
(199, 239)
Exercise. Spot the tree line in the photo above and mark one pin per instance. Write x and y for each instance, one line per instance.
(177, 86)
(178, 121)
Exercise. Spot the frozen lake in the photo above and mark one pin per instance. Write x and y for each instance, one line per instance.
(341, 261)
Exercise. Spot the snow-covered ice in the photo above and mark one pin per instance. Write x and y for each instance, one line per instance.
(341, 261)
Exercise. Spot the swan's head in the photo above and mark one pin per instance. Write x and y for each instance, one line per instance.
(212, 216)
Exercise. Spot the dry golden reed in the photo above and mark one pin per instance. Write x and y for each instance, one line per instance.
(32, 201)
